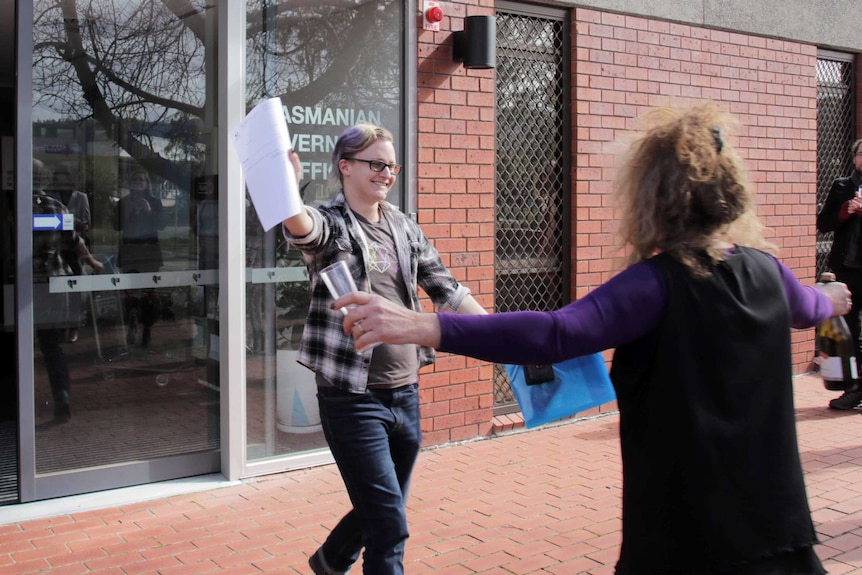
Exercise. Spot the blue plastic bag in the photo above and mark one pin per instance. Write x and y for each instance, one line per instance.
(579, 384)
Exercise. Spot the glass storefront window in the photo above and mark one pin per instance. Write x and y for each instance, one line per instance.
(124, 132)
(333, 64)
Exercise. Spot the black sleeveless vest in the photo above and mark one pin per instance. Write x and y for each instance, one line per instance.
(711, 470)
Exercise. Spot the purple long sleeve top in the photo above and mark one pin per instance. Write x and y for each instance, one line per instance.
(620, 311)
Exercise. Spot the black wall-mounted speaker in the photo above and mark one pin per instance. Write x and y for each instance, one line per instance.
(476, 45)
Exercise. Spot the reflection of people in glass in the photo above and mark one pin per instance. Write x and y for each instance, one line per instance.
(63, 189)
(369, 400)
(139, 217)
(255, 292)
(206, 222)
(51, 311)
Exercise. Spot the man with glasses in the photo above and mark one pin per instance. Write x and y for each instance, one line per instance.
(842, 214)
(368, 399)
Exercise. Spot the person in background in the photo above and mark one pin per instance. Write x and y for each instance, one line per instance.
(63, 189)
(255, 257)
(206, 222)
(842, 214)
(369, 400)
(139, 217)
(51, 311)
(700, 321)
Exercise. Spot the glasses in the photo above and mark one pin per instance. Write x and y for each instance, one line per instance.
(377, 165)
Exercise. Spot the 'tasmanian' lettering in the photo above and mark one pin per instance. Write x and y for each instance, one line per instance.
(312, 115)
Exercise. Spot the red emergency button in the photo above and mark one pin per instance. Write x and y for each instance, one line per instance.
(434, 14)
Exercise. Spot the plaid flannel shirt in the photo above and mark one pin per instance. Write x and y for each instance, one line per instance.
(336, 235)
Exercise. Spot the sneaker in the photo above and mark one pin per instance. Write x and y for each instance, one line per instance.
(320, 567)
(847, 400)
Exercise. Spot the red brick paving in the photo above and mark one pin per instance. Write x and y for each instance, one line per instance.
(531, 502)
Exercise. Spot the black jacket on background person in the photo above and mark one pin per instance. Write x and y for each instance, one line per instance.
(140, 250)
(842, 190)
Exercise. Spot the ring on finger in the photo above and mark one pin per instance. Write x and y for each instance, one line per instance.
(359, 325)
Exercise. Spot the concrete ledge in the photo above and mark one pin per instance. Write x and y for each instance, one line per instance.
(16, 513)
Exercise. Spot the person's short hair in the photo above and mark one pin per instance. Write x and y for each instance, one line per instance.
(40, 172)
(355, 139)
(855, 147)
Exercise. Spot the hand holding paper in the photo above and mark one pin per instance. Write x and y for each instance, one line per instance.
(262, 141)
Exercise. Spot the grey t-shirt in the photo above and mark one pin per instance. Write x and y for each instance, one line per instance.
(391, 365)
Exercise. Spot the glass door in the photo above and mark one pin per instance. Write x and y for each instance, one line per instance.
(332, 65)
(124, 229)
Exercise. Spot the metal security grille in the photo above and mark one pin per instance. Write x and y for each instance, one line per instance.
(835, 131)
(532, 190)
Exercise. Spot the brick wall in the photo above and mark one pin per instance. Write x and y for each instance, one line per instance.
(624, 65)
(455, 115)
(621, 67)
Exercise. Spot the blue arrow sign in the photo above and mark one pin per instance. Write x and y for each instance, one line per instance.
(52, 222)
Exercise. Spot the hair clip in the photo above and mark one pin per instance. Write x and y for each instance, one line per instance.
(716, 136)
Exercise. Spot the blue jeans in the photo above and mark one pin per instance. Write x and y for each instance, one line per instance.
(375, 440)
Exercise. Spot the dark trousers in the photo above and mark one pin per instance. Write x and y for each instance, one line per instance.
(853, 279)
(55, 362)
(375, 439)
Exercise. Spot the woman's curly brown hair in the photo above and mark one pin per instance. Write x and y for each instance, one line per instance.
(683, 189)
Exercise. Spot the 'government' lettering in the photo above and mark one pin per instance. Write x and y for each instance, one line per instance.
(312, 142)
